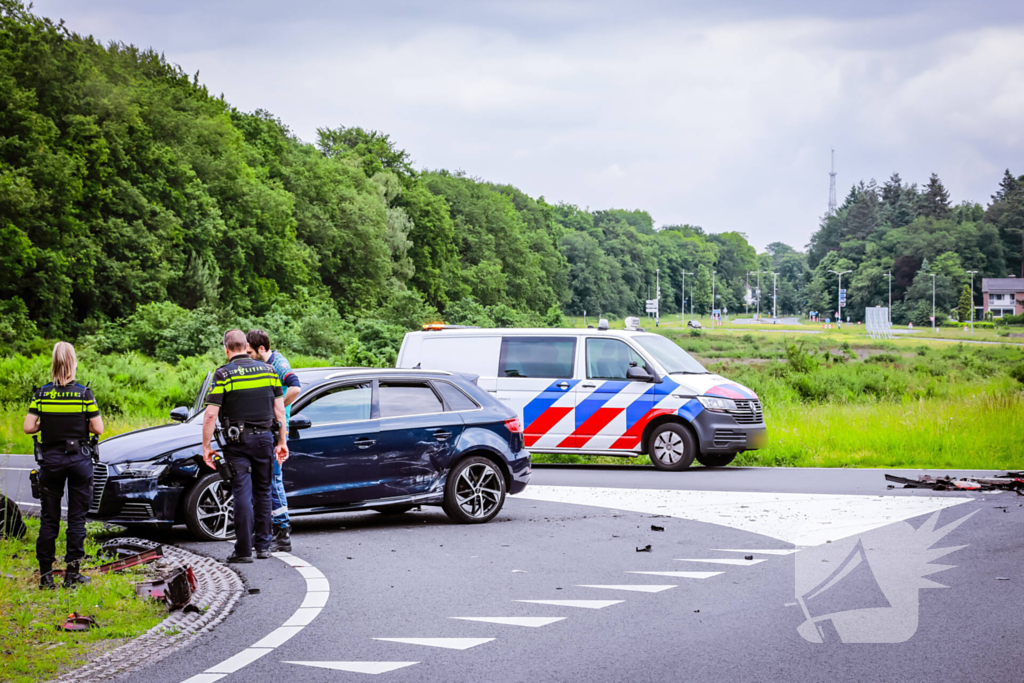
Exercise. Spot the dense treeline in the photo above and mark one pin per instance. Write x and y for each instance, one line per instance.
(912, 233)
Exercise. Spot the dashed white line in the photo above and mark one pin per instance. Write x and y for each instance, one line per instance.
(447, 643)
(583, 604)
(358, 667)
(317, 592)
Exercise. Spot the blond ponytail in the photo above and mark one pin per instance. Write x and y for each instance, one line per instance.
(65, 363)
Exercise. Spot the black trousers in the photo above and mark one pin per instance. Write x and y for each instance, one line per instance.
(253, 463)
(56, 470)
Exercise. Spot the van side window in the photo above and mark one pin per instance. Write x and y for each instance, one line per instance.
(547, 357)
(610, 359)
(407, 398)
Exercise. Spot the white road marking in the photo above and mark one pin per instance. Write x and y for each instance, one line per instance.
(317, 593)
(773, 551)
(358, 667)
(583, 604)
(532, 622)
(731, 560)
(448, 643)
(682, 575)
(638, 587)
(797, 518)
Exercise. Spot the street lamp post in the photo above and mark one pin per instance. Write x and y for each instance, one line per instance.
(775, 293)
(839, 295)
(682, 308)
(657, 295)
(972, 272)
(746, 303)
(889, 276)
(713, 297)
(933, 300)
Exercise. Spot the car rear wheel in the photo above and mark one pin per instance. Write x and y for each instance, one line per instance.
(715, 460)
(210, 509)
(672, 447)
(475, 491)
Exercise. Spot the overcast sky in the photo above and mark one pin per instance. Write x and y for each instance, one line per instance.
(719, 117)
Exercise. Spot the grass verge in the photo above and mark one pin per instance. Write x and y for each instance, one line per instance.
(31, 648)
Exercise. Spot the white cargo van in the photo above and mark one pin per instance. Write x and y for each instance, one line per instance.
(600, 391)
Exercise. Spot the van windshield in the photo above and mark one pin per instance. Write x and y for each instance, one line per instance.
(669, 355)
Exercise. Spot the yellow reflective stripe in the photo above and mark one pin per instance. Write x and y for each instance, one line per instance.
(239, 384)
(255, 375)
(62, 400)
(62, 409)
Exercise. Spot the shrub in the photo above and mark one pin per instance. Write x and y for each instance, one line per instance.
(1017, 372)
(883, 358)
(695, 332)
(800, 359)
(467, 311)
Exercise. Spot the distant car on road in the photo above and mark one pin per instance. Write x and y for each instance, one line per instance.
(385, 440)
(693, 323)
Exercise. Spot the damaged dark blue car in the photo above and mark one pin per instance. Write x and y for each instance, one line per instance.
(386, 440)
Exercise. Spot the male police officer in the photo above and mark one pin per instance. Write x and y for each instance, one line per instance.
(246, 397)
(259, 349)
(64, 413)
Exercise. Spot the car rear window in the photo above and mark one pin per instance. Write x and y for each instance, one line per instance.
(455, 398)
(548, 357)
(407, 398)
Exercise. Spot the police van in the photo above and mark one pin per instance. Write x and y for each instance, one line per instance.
(600, 391)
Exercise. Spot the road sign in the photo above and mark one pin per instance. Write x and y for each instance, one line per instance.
(652, 306)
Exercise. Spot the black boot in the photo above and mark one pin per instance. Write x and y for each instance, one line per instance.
(282, 541)
(72, 577)
(46, 578)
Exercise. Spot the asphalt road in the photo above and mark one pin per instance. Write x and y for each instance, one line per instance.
(418, 576)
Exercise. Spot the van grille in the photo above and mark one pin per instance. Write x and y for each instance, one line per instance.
(729, 437)
(99, 483)
(748, 412)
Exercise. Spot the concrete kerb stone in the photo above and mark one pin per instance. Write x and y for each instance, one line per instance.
(219, 588)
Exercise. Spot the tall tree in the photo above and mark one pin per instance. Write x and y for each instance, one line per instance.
(935, 199)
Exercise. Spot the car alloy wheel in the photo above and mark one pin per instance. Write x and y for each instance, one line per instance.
(478, 490)
(215, 510)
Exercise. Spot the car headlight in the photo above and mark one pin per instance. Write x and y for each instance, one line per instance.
(146, 468)
(716, 403)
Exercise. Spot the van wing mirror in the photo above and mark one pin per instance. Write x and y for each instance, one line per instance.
(299, 422)
(179, 414)
(638, 374)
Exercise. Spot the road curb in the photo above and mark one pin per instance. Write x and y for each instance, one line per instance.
(219, 589)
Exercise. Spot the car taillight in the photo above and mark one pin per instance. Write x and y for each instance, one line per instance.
(513, 425)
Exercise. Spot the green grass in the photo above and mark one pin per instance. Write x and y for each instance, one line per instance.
(31, 648)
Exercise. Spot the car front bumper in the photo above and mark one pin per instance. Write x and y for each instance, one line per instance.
(134, 501)
(721, 434)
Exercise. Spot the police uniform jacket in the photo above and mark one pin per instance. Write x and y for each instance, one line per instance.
(245, 390)
(64, 412)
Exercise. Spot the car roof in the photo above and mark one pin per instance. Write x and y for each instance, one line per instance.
(315, 375)
(529, 331)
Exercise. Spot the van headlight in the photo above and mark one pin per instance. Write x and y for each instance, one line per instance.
(141, 469)
(717, 404)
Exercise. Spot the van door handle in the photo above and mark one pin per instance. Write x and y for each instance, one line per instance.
(442, 435)
(364, 442)
(562, 385)
(589, 386)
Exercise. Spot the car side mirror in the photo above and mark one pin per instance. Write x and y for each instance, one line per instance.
(299, 422)
(638, 374)
(179, 414)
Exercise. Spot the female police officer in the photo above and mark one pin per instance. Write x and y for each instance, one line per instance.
(65, 413)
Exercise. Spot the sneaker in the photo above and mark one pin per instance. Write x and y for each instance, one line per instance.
(239, 559)
(282, 542)
(262, 554)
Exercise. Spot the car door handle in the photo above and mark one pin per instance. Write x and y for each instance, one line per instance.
(589, 386)
(363, 442)
(562, 385)
(442, 435)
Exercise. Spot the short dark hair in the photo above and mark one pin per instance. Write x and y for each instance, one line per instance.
(234, 340)
(258, 338)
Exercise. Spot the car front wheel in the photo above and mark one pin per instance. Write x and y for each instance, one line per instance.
(210, 509)
(475, 491)
(672, 447)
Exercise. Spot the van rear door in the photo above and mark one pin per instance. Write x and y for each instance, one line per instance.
(535, 378)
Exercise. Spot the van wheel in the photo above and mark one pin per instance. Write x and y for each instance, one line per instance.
(210, 509)
(672, 447)
(475, 491)
(715, 460)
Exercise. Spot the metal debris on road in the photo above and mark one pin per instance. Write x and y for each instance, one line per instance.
(645, 549)
(1011, 481)
(657, 528)
(175, 587)
(748, 557)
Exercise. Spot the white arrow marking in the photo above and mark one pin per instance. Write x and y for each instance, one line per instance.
(638, 587)
(532, 622)
(358, 667)
(449, 643)
(682, 575)
(585, 604)
(774, 551)
(742, 563)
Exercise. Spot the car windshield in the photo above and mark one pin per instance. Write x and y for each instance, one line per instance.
(669, 355)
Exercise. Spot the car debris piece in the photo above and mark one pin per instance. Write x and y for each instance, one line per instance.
(77, 622)
(645, 549)
(657, 528)
(1011, 481)
(1002, 578)
(748, 557)
(175, 587)
(127, 561)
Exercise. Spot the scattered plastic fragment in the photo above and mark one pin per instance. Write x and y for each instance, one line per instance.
(657, 528)
(748, 557)
(1002, 578)
(174, 587)
(77, 622)
(645, 549)
(254, 591)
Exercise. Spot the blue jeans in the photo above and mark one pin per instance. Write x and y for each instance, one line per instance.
(280, 501)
